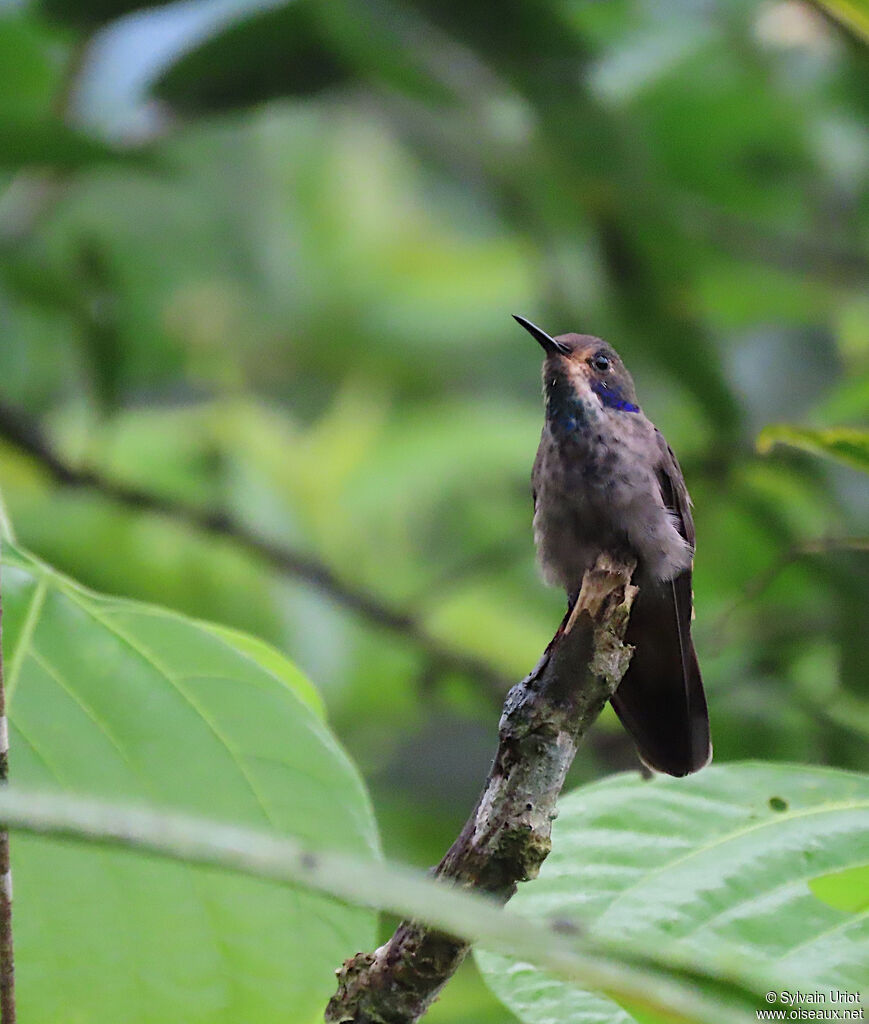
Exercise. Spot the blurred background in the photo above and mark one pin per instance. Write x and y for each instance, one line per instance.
(257, 361)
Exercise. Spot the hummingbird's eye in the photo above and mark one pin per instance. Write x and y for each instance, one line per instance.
(600, 362)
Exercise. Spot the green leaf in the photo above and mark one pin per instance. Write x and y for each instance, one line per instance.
(844, 890)
(218, 55)
(847, 444)
(853, 14)
(719, 865)
(672, 990)
(123, 700)
(30, 72)
(50, 143)
(291, 49)
(272, 661)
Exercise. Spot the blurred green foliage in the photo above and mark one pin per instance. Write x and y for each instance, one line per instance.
(261, 257)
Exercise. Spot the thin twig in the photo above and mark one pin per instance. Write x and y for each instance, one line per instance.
(7, 960)
(507, 836)
(772, 246)
(760, 583)
(24, 434)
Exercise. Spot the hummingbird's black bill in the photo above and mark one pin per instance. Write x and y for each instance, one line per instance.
(549, 343)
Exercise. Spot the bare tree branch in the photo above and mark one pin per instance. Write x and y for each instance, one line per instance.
(507, 837)
(25, 435)
(755, 587)
(771, 246)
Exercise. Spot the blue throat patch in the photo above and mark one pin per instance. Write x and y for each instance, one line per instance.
(612, 397)
(563, 408)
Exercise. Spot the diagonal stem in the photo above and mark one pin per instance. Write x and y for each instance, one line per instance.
(19, 430)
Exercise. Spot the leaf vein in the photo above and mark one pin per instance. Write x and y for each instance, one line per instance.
(738, 834)
(849, 920)
(56, 677)
(149, 657)
(34, 610)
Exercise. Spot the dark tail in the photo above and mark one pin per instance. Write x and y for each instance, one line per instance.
(660, 700)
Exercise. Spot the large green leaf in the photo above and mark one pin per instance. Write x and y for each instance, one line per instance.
(122, 700)
(719, 865)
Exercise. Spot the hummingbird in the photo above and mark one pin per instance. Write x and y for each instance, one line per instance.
(604, 479)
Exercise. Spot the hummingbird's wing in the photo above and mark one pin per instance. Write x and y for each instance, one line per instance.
(660, 700)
